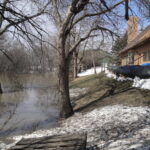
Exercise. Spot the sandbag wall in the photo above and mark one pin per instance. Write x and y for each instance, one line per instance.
(132, 71)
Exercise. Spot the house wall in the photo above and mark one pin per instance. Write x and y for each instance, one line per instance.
(138, 55)
(124, 59)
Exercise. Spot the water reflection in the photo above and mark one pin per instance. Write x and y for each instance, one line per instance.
(28, 110)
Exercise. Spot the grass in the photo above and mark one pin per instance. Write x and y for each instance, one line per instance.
(83, 82)
(103, 91)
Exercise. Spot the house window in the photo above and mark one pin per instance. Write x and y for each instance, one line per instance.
(130, 58)
(146, 56)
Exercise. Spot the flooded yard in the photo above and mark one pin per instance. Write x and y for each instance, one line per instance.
(32, 106)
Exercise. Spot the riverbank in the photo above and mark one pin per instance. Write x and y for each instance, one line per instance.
(112, 127)
(103, 91)
(114, 115)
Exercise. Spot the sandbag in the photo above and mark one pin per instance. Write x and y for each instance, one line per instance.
(133, 71)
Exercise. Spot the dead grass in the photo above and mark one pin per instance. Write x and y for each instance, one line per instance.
(105, 91)
(83, 82)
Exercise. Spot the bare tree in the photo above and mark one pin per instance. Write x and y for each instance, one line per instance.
(100, 17)
(13, 15)
(67, 15)
(43, 56)
(18, 21)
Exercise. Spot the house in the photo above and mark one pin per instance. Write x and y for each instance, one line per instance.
(137, 51)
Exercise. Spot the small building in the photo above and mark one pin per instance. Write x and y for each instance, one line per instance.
(137, 51)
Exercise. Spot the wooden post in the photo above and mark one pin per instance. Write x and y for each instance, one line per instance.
(1, 91)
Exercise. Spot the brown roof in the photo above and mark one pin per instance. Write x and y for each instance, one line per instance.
(143, 37)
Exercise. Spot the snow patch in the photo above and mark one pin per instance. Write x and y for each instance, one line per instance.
(74, 93)
(137, 82)
(91, 71)
(110, 74)
(112, 127)
(141, 83)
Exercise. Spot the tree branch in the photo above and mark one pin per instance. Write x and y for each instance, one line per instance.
(88, 35)
(97, 14)
(23, 17)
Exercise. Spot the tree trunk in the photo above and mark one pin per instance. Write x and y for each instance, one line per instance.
(66, 109)
(93, 61)
(1, 91)
(75, 65)
(94, 66)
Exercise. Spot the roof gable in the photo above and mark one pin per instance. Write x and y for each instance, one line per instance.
(139, 40)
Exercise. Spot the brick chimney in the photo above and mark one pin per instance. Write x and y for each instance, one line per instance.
(132, 28)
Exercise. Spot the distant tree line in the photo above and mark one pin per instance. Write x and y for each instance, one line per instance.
(16, 57)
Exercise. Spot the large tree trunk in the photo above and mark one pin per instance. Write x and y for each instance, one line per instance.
(66, 109)
(1, 91)
(75, 65)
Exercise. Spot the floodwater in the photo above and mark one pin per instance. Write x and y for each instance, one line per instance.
(34, 106)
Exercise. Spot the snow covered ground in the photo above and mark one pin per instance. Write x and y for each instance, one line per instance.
(137, 82)
(109, 128)
(90, 71)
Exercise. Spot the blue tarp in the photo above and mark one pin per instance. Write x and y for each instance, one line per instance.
(132, 71)
(146, 64)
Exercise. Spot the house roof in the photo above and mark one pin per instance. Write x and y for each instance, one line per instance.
(142, 38)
